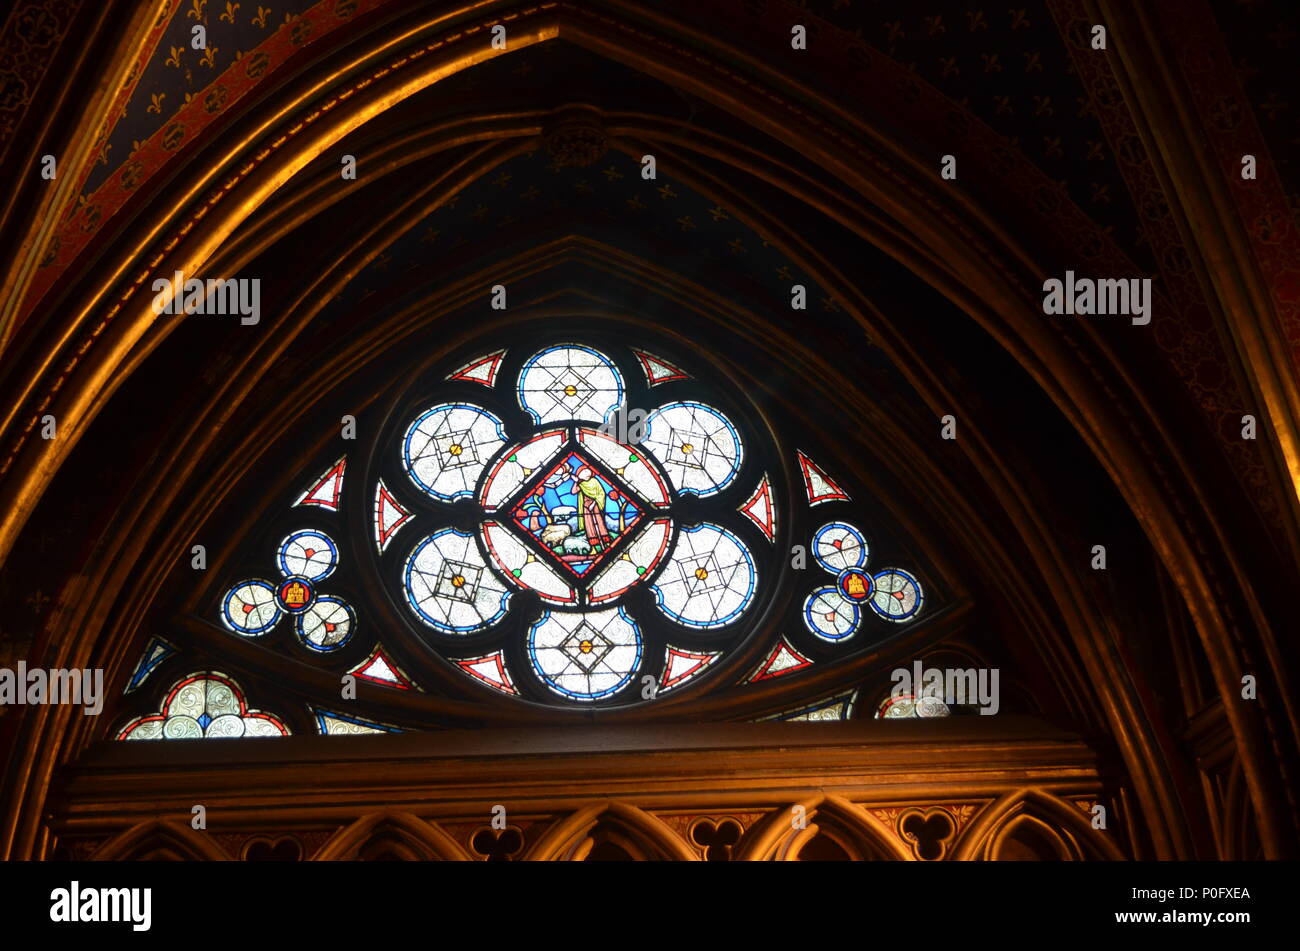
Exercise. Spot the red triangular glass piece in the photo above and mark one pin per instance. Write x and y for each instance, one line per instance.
(683, 665)
(784, 659)
(817, 484)
(480, 369)
(491, 670)
(658, 370)
(327, 489)
(389, 516)
(377, 668)
(761, 510)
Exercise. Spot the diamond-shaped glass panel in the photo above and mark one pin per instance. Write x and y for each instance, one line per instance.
(586, 646)
(576, 513)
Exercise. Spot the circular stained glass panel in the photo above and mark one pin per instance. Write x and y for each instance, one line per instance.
(697, 445)
(585, 656)
(249, 608)
(327, 624)
(569, 381)
(897, 595)
(829, 615)
(709, 580)
(309, 554)
(839, 545)
(449, 587)
(445, 449)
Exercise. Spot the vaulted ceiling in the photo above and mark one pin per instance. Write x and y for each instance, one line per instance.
(774, 167)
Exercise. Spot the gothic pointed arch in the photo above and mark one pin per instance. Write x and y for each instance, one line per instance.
(160, 840)
(611, 831)
(1033, 824)
(1028, 838)
(840, 309)
(391, 836)
(846, 830)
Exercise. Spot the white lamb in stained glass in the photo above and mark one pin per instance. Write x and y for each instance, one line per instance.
(554, 535)
(576, 545)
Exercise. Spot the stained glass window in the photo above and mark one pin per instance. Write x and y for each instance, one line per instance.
(907, 706)
(155, 652)
(330, 723)
(897, 595)
(250, 607)
(760, 508)
(839, 707)
(585, 656)
(833, 612)
(446, 447)
(480, 369)
(710, 579)
(203, 706)
(585, 516)
(681, 666)
(389, 516)
(568, 523)
(570, 382)
(305, 558)
(784, 658)
(657, 369)
(697, 444)
(490, 669)
(817, 485)
(325, 491)
(327, 624)
(449, 587)
(310, 554)
(379, 669)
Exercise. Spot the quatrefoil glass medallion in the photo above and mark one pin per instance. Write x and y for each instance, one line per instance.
(577, 516)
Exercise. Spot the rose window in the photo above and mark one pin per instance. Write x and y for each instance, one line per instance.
(569, 525)
(580, 514)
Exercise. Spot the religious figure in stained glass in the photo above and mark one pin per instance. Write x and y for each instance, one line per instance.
(576, 513)
(593, 509)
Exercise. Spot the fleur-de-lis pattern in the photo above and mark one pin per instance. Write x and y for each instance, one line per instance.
(194, 87)
(177, 73)
(947, 49)
(1008, 64)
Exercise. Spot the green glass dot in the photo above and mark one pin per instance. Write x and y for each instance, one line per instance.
(640, 569)
(515, 457)
(516, 572)
(632, 458)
